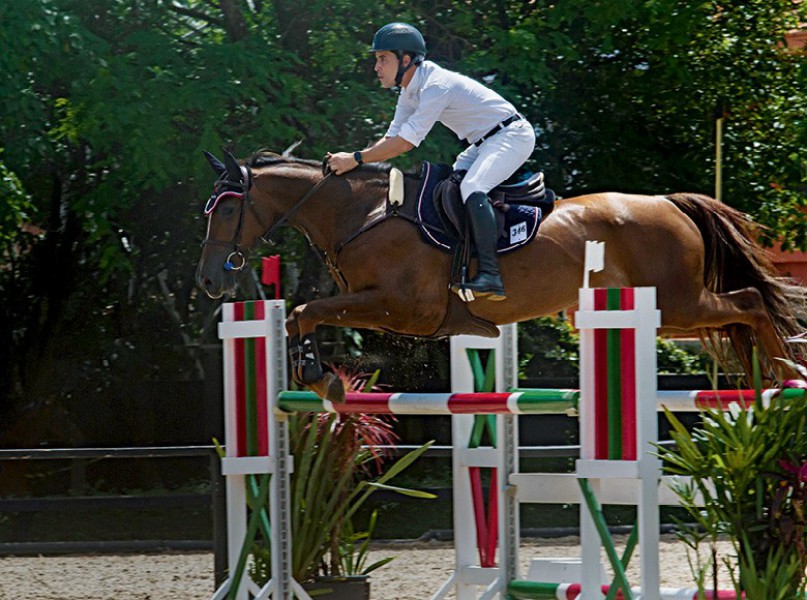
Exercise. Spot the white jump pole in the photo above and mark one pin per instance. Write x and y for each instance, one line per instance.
(256, 441)
(469, 575)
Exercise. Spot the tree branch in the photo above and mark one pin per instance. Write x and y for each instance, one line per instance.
(235, 24)
(196, 14)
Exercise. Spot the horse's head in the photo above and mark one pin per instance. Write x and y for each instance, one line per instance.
(233, 226)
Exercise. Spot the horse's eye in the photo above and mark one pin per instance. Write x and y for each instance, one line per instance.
(226, 209)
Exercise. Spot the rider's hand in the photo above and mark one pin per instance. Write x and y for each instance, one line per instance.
(341, 162)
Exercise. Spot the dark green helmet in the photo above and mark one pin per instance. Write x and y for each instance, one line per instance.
(400, 37)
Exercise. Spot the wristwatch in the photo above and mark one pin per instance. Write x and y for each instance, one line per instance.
(357, 157)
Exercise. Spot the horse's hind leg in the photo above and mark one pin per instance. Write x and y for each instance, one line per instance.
(740, 307)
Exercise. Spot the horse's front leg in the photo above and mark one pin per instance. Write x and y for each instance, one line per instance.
(306, 368)
(363, 309)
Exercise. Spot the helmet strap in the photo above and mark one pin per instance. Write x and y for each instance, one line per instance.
(402, 70)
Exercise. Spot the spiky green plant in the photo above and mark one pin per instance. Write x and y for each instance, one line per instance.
(749, 467)
(339, 461)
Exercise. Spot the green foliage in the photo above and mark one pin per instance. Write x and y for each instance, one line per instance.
(335, 472)
(354, 547)
(548, 347)
(15, 208)
(328, 486)
(671, 357)
(749, 467)
(108, 104)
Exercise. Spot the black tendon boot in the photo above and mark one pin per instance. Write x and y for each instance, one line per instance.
(488, 282)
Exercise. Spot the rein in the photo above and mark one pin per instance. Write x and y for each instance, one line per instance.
(266, 237)
(243, 194)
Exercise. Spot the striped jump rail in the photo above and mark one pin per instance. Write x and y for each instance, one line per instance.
(478, 403)
(533, 590)
(517, 402)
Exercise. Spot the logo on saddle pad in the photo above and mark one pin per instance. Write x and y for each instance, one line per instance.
(441, 216)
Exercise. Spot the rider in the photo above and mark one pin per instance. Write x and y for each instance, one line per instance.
(499, 139)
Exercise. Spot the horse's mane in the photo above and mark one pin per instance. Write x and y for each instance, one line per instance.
(263, 158)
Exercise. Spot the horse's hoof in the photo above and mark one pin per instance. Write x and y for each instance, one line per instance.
(304, 358)
(330, 388)
(334, 389)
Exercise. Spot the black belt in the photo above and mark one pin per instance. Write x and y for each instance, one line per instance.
(498, 128)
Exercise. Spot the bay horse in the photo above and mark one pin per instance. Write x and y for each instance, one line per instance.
(712, 277)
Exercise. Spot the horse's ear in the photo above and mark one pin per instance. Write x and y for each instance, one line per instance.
(233, 170)
(287, 153)
(217, 165)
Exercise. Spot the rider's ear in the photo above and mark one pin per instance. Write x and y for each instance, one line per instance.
(215, 163)
(233, 170)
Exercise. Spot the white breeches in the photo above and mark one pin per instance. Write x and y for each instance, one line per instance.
(495, 159)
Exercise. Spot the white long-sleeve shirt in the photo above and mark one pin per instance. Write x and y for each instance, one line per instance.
(462, 104)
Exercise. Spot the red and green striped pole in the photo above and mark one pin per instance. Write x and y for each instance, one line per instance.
(535, 590)
(516, 402)
(475, 403)
(615, 381)
(249, 401)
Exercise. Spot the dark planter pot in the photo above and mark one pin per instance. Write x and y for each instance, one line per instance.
(355, 587)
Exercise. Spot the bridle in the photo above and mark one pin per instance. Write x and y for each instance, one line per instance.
(239, 190)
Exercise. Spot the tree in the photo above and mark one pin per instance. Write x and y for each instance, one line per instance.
(109, 103)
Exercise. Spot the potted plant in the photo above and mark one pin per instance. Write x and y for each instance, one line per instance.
(353, 583)
(339, 461)
(750, 467)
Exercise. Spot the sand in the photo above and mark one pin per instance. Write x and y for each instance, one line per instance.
(417, 572)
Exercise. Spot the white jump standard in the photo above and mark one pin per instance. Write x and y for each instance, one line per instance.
(617, 404)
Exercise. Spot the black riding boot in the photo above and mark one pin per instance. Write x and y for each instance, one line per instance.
(487, 282)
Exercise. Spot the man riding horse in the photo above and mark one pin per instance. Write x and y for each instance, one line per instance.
(712, 276)
(499, 139)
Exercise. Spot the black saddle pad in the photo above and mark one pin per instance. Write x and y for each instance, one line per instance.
(521, 221)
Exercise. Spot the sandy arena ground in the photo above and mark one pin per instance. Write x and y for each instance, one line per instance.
(417, 572)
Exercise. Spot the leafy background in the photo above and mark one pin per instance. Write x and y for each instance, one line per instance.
(107, 105)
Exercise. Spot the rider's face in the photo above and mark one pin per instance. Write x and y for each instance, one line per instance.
(386, 67)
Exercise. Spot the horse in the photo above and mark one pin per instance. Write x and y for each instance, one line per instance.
(712, 277)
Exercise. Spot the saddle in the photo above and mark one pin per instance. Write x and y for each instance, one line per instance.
(440, 213)
(529, 192)
(441, 221)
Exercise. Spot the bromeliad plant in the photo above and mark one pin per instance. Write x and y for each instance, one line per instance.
(749, 466)
(339, 461)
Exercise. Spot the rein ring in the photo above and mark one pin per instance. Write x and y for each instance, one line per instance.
(230, 266)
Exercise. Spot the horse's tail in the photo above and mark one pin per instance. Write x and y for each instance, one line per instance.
(733, 261)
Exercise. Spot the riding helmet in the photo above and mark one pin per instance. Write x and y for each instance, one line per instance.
(400, 37)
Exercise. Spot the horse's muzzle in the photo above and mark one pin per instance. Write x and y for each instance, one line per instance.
(214, 286)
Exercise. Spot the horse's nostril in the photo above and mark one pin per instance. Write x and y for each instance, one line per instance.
(204, 283)
(210, 287)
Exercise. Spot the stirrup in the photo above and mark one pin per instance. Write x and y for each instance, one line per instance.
(463, 292)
